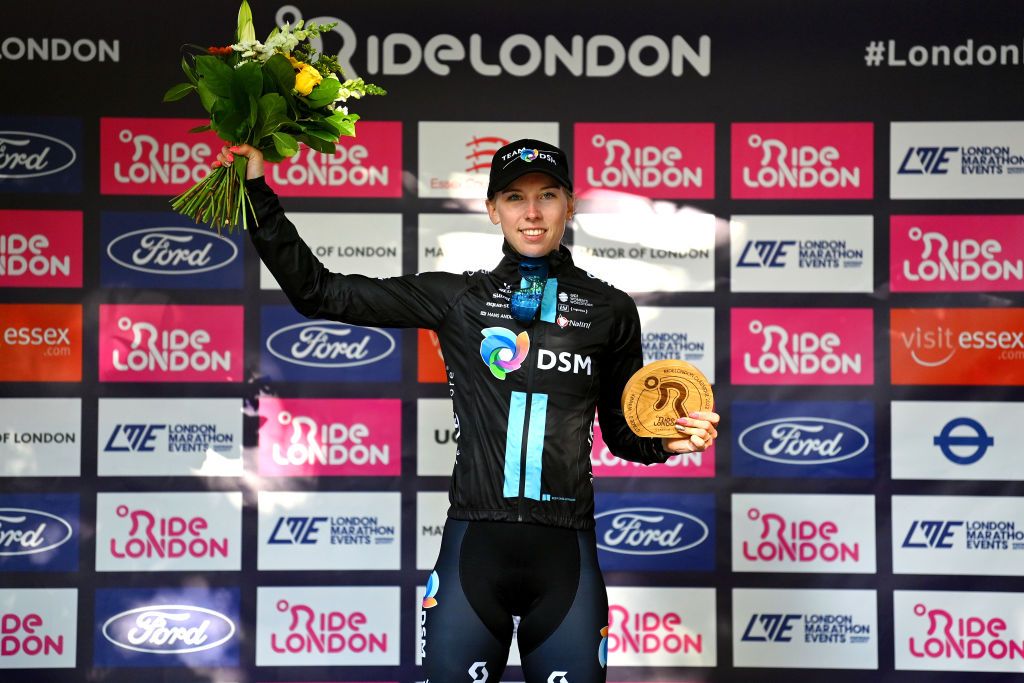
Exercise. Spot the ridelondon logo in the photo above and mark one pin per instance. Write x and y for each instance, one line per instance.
(38, 628)
(661, 627)
(153, 156)
(802, 160)
(170, 343)
(983, 637)
(40, 248)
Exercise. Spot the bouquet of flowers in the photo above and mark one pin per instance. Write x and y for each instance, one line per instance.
(272, 95)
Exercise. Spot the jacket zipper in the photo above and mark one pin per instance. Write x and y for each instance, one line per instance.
(526, 427)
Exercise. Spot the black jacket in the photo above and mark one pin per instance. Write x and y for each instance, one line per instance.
(524, 427)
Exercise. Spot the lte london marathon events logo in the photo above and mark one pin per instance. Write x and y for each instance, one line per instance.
(140, 343)
(968, 346)
(657, 160)
(327, 626)
(40, 343)
(330, 437)
(805, 629)
(957, 253)
(328, 530)
(802, 346)
(40, 248)
(802, 161)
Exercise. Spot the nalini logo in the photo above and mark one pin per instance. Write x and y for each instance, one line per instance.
(311, 630)
(172, 251)
(798, 166)
(963, 637)
(330, 345)
(32, 155)
(168, 629)
(29, 532)
(797, 541)
(334, 443)
(150, 535)
(800, 353)
(173, 350)
(648, 531)
(803, 440)
(503, 351)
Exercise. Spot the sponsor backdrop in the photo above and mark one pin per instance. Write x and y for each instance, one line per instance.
(821, 205)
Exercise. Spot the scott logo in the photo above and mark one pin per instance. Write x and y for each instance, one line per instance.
(803, 440)
(648, 531)
(478, 672)
(28, 532)
(172, 251)
(330, 345)
(926, 161)
(32, 155)
(168, 629)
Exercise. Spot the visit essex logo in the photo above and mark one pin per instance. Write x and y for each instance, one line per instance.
(971, 346)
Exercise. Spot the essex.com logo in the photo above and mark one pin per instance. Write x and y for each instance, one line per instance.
(973, 346)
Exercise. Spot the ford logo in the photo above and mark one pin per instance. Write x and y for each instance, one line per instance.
(648, 531)
(319, 344)
(803, 440)
(172, 251)
(27, 532)
(168, 629)
(33, 155)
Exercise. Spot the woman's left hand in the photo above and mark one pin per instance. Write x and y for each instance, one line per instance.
(697, 432)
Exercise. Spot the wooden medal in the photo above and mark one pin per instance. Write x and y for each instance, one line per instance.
(661, 392)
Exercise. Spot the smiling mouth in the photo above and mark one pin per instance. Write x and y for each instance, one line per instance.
(533, 232)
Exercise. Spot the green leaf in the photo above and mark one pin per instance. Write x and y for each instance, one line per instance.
(324, 93)
(282, 73)
(285, 144)
(250, 78)
(189, 71)
(206, 96)
(228, 121)
(200, 129)
(321, 134)
(217, 75)
(271, 115)
(327, 147)
(176, 92)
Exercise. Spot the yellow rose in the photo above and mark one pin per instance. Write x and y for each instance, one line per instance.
(307, 79)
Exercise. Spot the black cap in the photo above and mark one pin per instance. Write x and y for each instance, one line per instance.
(527, 156)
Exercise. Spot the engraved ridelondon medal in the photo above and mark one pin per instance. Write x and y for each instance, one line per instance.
(660, 393)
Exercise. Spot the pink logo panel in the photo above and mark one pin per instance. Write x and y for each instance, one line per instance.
(957, 253)
(40, 248)
(605, 464)
(663, 160)
(171, 343)
(802, 346)
(369, 165)
(154, 156)
(330, 437)
(802, 160)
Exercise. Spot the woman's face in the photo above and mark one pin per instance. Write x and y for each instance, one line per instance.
(532, 211)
